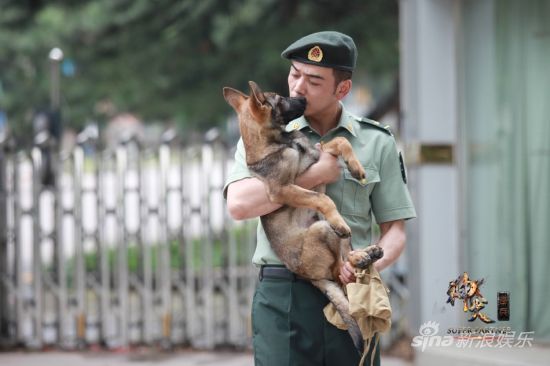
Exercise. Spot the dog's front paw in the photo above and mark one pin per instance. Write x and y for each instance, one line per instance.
(357, 171)
(363, 258)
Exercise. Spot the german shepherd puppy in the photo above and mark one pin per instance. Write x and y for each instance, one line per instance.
(310, 247)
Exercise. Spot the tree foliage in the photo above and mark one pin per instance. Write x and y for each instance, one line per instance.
(167, 60)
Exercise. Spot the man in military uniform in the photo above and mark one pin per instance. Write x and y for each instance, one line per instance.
(289, 327)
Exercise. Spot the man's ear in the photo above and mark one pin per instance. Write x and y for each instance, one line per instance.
(234, 97)
(343, 89)
(257, 101)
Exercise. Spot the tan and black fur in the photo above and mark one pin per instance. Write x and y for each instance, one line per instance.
(309, 246)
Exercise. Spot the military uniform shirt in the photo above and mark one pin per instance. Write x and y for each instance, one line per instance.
(385, 194)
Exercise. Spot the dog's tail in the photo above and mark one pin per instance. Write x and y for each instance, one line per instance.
(336, 296)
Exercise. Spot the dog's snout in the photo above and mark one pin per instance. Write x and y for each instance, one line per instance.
(294, 108)
(301, 101)
(298, 104)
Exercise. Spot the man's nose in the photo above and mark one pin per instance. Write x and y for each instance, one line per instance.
(299, 87)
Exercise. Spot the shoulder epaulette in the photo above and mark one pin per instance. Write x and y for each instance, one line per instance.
(378, 125)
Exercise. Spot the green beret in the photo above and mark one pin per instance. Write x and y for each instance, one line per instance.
(329, 49)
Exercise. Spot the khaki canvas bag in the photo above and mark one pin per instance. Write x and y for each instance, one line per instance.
(369, 305)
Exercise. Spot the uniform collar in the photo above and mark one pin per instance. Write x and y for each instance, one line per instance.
(347, 122)
(297, 124)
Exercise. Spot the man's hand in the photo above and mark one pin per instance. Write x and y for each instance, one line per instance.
(326, 170)
(330, 166)
(392, 241)
(347, 273)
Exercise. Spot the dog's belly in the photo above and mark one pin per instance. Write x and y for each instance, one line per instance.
(291, 219)
(288, 231)
(304, 218)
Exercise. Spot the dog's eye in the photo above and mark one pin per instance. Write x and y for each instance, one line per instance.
(275, 101)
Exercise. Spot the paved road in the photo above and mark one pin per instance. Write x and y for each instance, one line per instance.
(134, 358)
(139, 358)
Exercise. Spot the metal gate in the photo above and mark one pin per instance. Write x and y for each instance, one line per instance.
(121, 246)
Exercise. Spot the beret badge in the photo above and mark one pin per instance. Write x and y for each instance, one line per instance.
(315, 54)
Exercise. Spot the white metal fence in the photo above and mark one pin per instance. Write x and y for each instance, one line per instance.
(121, 246)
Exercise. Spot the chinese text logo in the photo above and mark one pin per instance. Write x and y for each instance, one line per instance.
(467, 290)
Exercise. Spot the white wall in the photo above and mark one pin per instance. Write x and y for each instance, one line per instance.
(429, 105)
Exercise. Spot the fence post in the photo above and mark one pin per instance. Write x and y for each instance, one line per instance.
(18, 258)
(186, 249)
(79, 270)
(103, 212)
(6, 239)
(37, 290)
(146, 265)
(207, 247)
(165, 273)
(59, 283)
(121, 244)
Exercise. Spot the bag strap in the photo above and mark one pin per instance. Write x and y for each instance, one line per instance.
(368, 343)
(367, 274)
(360, 274)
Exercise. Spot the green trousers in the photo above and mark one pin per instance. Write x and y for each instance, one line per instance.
(290, 329)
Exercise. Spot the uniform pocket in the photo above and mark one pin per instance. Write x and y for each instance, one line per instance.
(356, 196)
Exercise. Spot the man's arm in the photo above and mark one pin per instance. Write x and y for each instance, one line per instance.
(392, 241)
(247, 198)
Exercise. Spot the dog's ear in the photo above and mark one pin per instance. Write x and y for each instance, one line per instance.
(256, 92)
(257, 100)
(234, 97)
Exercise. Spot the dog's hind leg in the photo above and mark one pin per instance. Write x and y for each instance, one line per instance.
(336, 296)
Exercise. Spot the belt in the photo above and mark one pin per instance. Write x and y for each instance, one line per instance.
(279, 272)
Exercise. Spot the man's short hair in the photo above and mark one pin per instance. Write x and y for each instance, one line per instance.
(341, 75)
